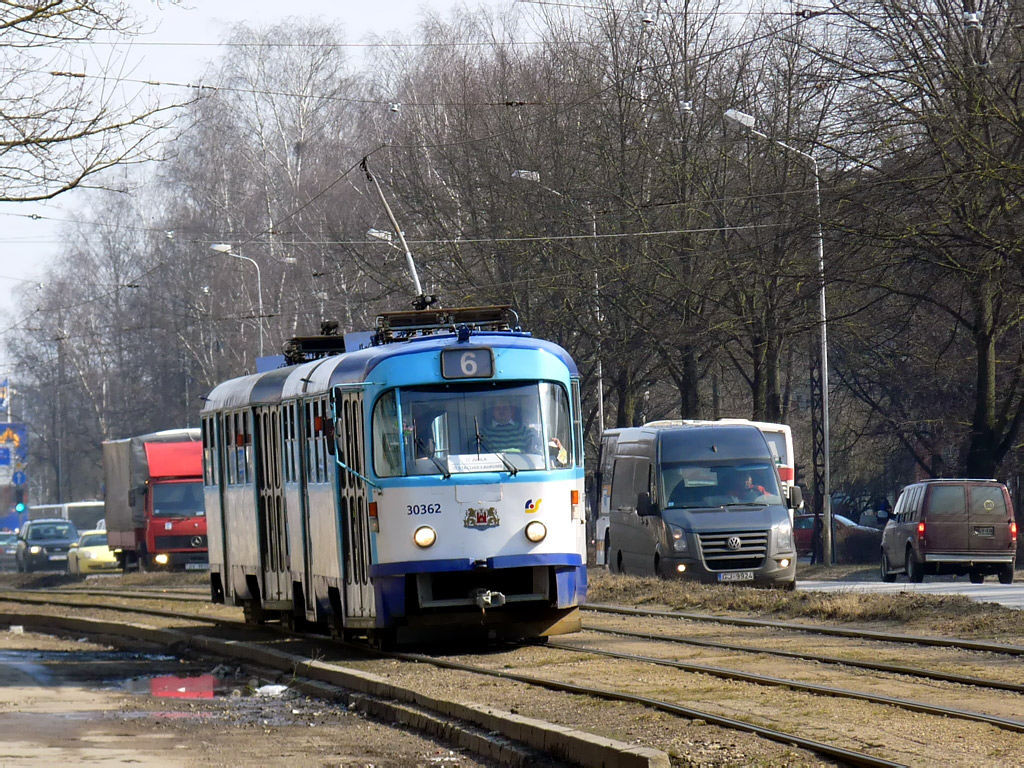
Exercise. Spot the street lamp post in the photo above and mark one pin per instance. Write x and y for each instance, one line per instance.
(746, 122)
(534, 177)
(226, 248)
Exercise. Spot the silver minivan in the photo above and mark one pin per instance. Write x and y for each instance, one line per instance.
(700, 501)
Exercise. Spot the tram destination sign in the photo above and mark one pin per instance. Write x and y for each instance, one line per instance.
(467, 363)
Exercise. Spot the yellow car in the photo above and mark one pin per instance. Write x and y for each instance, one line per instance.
(90, 554)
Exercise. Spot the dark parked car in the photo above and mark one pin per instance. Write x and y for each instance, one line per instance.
(43, 544)
(8, 550)
(853, 543)
(951, 526)
(803, 534)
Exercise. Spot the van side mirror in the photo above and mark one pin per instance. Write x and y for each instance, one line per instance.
(796, 497)
(644, 506)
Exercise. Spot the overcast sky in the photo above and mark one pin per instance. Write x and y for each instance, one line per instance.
(187, 38)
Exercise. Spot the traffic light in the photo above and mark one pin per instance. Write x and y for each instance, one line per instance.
(19, 500)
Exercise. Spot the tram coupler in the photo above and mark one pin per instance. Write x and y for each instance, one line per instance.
(485, 599)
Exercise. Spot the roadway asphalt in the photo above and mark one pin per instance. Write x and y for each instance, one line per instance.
(1010, 595)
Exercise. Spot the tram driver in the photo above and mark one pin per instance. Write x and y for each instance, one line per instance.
(503, 429)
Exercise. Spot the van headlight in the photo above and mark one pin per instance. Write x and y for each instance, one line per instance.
(784, 536)
(424, 537)
(678, 537)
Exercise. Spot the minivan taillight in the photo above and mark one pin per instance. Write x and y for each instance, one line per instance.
(1013, 530)
(920, 530)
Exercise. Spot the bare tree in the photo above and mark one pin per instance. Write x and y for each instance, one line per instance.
(62, 125)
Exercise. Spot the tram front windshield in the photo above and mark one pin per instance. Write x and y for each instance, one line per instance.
(446, 430)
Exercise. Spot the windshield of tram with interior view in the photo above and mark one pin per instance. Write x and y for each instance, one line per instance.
(689, 485)
(445, 430)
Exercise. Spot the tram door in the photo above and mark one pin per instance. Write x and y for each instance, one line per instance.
(213, 496)
(273, 532)
(348, 408)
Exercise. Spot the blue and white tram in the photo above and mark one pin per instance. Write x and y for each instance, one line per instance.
(358, 490)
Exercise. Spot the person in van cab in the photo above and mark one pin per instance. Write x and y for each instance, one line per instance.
(740, 488)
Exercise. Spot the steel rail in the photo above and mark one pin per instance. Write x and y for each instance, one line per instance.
(830, 750)
(875, 666)
(1005, 723)
(137, 595)
(862, 634)
(850, 757)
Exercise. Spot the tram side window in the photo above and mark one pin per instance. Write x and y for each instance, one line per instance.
(286, 443)
(245, 450)
(577, 423)
(321, 439)
(387, 454)
(294, 446)
(315, 453)
(555, 405)
(231, 443)
(209, 477)
(310, 451)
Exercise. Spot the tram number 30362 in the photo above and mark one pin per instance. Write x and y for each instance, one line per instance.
(424, 509)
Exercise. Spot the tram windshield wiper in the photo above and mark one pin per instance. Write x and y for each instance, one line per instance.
(430, 455)
(512, 470)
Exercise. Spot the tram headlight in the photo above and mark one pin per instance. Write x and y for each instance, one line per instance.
(536, 531)
(424, 537)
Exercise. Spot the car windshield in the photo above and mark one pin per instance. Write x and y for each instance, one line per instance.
(93, 540)
(178, 500)
(689, 485)
(443, 430)
(52, 531)
(7, 538)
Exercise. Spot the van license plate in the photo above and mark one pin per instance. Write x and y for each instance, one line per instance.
(984, 530)
(197, 566)
(737, 576)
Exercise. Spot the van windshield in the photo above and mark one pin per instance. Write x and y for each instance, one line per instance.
(689, 485)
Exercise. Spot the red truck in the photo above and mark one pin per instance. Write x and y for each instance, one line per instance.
(153, 501)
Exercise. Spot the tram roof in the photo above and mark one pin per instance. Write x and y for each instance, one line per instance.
(354, 367)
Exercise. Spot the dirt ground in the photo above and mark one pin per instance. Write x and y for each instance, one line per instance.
(73, 701)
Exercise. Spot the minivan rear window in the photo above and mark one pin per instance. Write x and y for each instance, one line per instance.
(946, 500)
(988, 500)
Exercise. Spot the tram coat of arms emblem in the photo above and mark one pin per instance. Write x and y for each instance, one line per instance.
(481, 518)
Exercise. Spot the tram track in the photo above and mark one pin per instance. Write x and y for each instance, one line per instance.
(780, 735)
(846, 756)
(840, 661)
(796, 685)
(843, 632)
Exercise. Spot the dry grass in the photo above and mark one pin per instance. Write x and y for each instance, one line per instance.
(952, 615)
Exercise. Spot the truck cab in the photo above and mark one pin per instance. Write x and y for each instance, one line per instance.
(155, 511)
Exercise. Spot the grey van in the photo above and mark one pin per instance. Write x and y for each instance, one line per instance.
(952, 526)
(701, 502)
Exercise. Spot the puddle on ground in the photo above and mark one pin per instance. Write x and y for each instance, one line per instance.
(220, 692)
